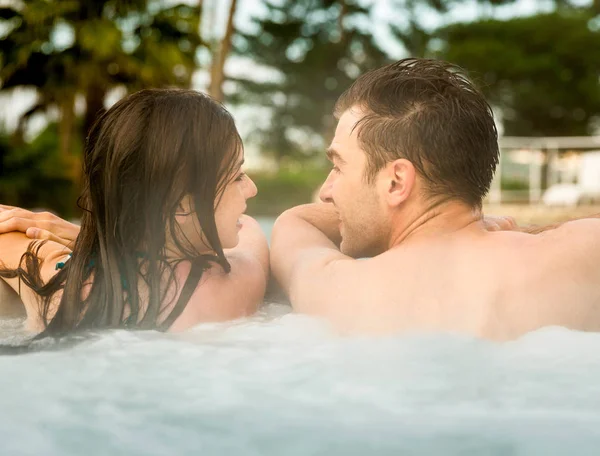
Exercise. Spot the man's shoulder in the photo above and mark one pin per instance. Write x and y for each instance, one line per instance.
(585, 226)
(571, 251)
(577, 235)
(571, 233)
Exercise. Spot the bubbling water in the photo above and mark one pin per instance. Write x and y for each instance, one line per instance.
(280, 383)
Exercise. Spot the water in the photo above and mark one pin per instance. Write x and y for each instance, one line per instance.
(285, 384)
(266, 223)
(280, 383)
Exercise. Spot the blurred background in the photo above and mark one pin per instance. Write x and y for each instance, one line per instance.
(279, 66)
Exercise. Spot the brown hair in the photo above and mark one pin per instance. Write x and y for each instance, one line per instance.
(142, 157)
(427, 112)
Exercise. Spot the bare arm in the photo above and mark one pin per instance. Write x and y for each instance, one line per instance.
(573, 251)
(506, 223)
(10, 303)
(301, 232)
(306, 260)
(536, 229)
(12, 247)
(321, 216)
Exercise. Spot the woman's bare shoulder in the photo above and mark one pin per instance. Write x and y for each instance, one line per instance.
(221, 296)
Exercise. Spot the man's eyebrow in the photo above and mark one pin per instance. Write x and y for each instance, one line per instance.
(334, 154)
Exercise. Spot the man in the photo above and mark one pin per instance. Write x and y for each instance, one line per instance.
(413, 156)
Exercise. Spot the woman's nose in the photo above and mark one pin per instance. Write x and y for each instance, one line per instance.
(251, 189)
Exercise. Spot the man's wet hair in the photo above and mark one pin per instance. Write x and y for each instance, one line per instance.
(429, 113)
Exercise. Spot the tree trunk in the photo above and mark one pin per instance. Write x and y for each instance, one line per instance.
(65, 134)
(94, 101)
(343, 13)
(217, 75)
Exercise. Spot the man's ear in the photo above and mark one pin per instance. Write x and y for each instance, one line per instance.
(399, 181)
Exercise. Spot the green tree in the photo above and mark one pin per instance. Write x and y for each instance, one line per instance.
(408, 27)
(31, 177)
(131, 43)
(315, 48)
(542, 71)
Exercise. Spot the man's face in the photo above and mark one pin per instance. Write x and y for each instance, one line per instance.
(363, 224)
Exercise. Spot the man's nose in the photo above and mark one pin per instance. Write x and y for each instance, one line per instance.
(325, 192)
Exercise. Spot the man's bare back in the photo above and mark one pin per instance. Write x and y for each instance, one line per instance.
(496, 285)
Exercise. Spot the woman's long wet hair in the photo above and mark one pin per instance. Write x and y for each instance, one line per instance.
(141, 158)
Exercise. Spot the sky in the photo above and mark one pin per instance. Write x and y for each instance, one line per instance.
(17, 102)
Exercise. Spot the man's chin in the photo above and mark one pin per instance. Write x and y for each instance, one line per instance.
(355, 250)
(349, 249)
(344, 247)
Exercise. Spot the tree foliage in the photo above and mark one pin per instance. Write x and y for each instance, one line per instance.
(69, 50)
(32, 177)
(542, 71)
(105, 43)
(316, 48)
(410, 30)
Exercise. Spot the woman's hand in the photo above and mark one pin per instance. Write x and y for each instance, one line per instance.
(38, 225)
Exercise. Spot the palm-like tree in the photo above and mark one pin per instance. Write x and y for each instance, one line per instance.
(131, 43)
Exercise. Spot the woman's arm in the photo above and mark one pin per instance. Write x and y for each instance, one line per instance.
(10, 304)
(12, 248)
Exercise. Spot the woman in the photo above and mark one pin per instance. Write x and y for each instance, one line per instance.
(163, 243)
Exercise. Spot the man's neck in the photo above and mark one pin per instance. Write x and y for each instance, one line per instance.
(440, 219)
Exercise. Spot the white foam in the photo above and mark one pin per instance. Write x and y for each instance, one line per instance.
(280, 383)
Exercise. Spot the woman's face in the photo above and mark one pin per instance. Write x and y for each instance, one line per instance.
(228, 211)
(232, 205)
